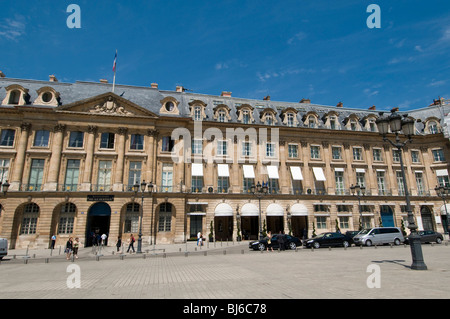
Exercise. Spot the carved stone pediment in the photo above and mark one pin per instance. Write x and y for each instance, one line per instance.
(110, 107)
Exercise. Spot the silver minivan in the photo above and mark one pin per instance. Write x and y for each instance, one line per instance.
(379, 236)
(3, 247)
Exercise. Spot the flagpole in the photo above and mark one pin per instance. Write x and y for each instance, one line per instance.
(114, 81)
(114, 69)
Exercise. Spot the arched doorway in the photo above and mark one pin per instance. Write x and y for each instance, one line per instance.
(427, 218)
(98, 220)
(299, 220)
(387, 216)
(275, 214)
(250, 221)
(63, 221)
(25, 225)
(223, 222)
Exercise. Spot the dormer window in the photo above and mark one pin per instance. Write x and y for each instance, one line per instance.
(289, 117)
(15, 95)
(197, 113)
(197, 110)
(169, 105)
(311, 120)
(47, 96)
(268, 117)
(222, 113)
(352, 123)
(245, 114)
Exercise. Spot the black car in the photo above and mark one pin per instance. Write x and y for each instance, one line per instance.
(428, 236)
(290, 242)
(328, 240)
(352, 233)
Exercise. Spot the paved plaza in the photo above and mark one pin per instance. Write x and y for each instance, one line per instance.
(226, 271)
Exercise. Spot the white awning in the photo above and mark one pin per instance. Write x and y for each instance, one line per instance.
(318, 173)
(441, 172)
(360, 170)
(272, 171)
(223, 209)
(299, 210)
(249, 210)
(274, 210)
(338, 169)
(223, 170)
(248, 171)
(296, 172)
(197, 169)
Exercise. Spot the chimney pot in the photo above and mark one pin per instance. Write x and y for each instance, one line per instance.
(305, 101)
(373, 107)
(267, 98)
(154, 85)
(2, 75)
(340, 104)
(103, 81)
(180, 88)
(226, 94)
(52, 78)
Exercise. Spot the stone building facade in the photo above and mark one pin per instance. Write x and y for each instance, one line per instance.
(72, 152)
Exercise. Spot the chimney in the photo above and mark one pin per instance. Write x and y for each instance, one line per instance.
(154, 85)
(395, 109)
(52, 78)
(373, 108)
(180, 88)
(267, 98)
(340, 104)
(103, 81)
(2, 75)
(305, 101)
(226, 94)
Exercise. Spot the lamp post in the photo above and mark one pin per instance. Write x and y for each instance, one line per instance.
(136, 188)
(259, 192)
(407, 126)
(357, 191)
(443, 192)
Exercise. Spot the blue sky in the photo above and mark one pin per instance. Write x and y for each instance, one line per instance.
(288, 49)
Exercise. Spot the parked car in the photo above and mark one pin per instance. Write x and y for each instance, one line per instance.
(290, 242)
(3, 247)
(428, 236)
(352, 233)
(379, 236)
(328, 240)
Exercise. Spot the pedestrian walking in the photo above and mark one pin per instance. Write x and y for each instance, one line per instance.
(53, 242)
(131, 245)
(269, 241)
(69, 247)
(76, 245)
(199, 235)
(104, 236)
(119, 243)
(281, 240)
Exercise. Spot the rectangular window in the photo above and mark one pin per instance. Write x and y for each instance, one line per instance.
(165, 217)
(321, 222)
(197, 184)
(72, 174)
(415, 156)
(246, 149)
(273, 186)
(293, 150)
(443, 181)
(336, 153)
(167, 144)
(167, 177)
(377, 157)
(134, 174)
(419, 183)
(107, 140)
(339, 179)
(197, 147)
(357, 154)
(222, 148)
(270, 150)
(7, 138)
(245, 117)
(137, 142)
(4, 170)
(76, 139)
(396, 155)
(344, 222)
(438, 155)
(36, 174)
(400, 184)
(361, 179)
(104, 175)
(222, 184)
(381, 183)
(41, 138)
(315, 152)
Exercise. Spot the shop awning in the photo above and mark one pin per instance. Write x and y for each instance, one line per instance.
(299, 210)
(249, 171)
(318, 173)
(296, 172)
(223, 170)
(249, 210)
(272, 171)
(223, 209)
(197, 169)
(274, 210)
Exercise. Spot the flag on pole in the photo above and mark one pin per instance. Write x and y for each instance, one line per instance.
(115, 63)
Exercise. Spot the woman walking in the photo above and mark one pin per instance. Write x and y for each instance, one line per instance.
(69, 247)
(269, 241)
(75, 246)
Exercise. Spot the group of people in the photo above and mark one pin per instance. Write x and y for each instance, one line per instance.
(72, 248)
(280, 238)
(130, 243)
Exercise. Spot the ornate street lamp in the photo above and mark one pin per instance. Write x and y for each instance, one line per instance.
(443, 192)
(259, 192)
(395, 123)
(357, 191)
(136, 188)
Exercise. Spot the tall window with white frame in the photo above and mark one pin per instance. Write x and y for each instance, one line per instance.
(41, 138)
(29, 219)
(4, 169)
(72, 174)
(134, 174)
(420, 183)
(132, 213)
(381, 182)
(66, 218)
(167, 177)
(165, 217)
(104, 175)
(400, 184)
(36, 175)
(339, 179)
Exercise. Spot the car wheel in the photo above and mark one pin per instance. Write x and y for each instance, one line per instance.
(438, 240)
(261, 247)
(345, 244)
(292, 245)
(316, 245)
(368, 243)
(397, 242)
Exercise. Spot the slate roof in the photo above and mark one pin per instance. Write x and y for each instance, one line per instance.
(150, 98)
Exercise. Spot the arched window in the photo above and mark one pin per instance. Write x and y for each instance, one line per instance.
(165, 217)
(66, 218)
(132, 218)
(29, 220)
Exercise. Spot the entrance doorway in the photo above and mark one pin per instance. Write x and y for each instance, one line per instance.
(387, 216)
(223, 228)
(427, 218)
(275, 224)
(98, 221)
(299, 226)
(250, 227)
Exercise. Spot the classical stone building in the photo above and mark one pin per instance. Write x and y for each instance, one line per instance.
(72, 152)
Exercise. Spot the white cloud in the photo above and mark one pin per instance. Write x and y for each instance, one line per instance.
(12, 29)
(418, 48)
(297, 37)
(436, 83)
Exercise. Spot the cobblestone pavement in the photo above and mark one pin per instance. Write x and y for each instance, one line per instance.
(227, 272)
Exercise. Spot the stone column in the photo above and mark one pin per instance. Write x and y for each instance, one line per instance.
(118, 178)
(87, 174)
(16, 178)
(55, 159)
